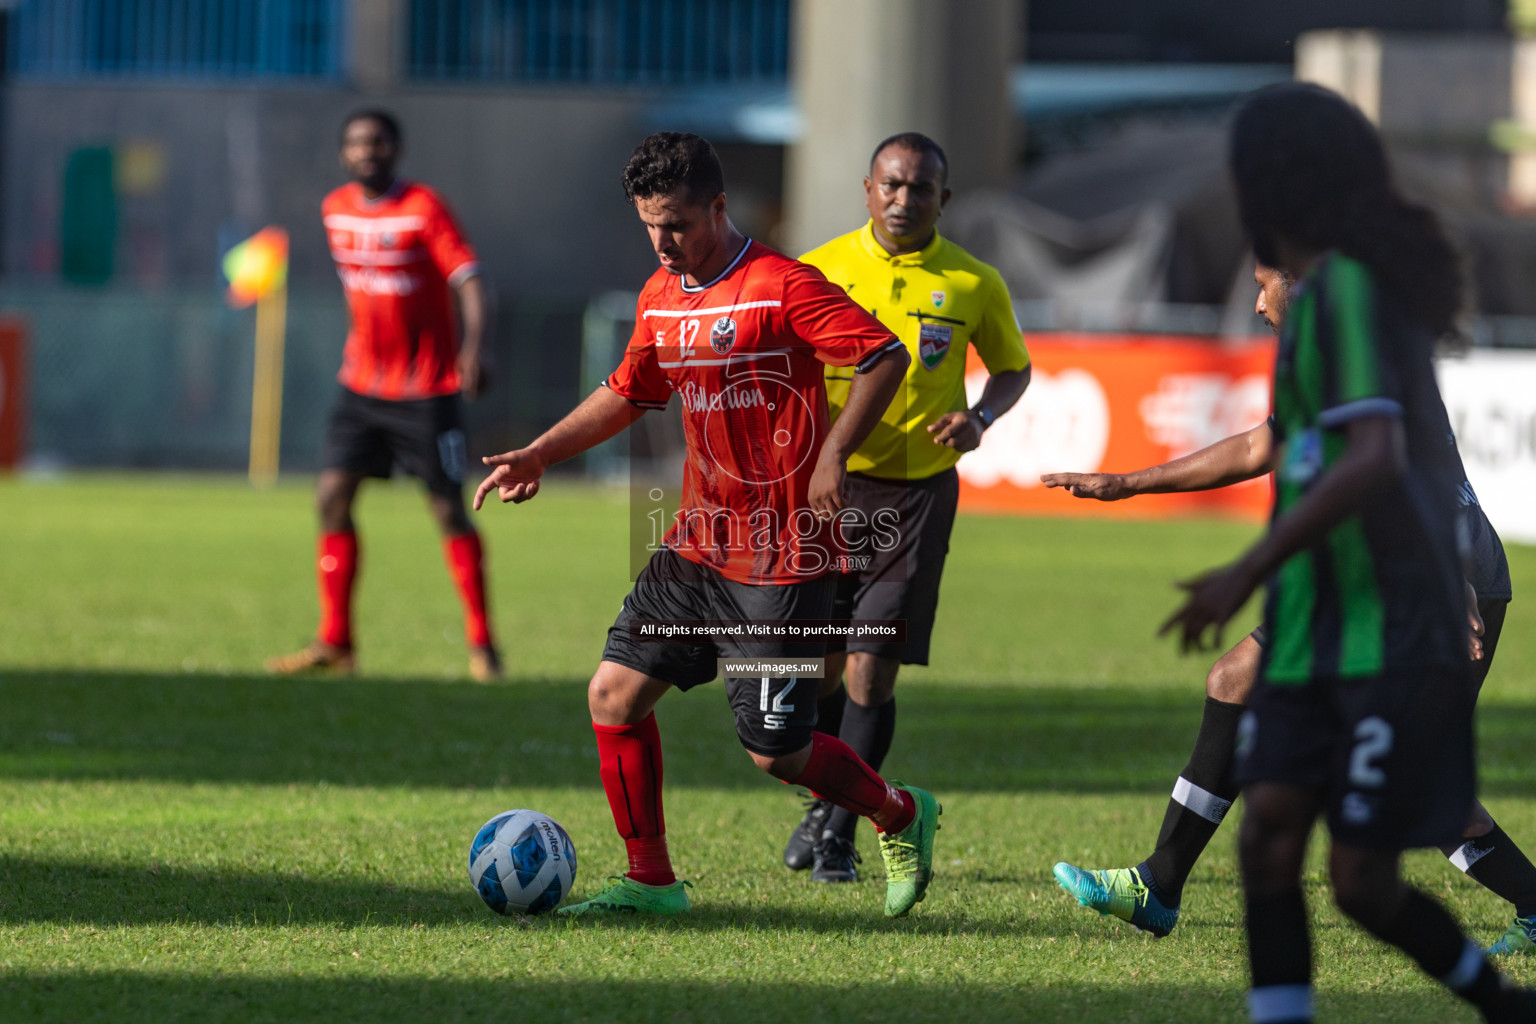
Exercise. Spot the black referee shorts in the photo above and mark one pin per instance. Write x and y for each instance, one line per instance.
(424, 437)
(773, 717)
(896, 550)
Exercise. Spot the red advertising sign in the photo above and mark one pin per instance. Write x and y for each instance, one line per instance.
(1100, 404)
(13, 391)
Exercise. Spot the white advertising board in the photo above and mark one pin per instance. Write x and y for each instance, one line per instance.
(1491, 398)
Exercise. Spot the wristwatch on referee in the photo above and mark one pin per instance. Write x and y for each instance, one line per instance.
(985, 415)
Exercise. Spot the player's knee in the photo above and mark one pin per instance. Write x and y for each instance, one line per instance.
(333, 501)
(786, 767)
(1360, 903)
(450, 514)
(608, 700)
(330, 504)
(1229, 681)
(780, 749)
(1269, 849)
(1479, 822)
(1366, 886)
(871, 678)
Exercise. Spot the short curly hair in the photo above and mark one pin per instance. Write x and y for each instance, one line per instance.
(667, 163)
(386, 120)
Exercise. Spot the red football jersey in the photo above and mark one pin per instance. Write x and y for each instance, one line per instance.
(397, 255)
(745, 353)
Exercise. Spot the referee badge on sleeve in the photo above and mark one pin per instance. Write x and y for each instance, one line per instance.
(933, 343)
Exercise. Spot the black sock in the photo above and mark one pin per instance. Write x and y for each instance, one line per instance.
(1501, 867)
(1428, 933)
(868, 730)
(1200, 800)
(829, 711)
(1279, 958)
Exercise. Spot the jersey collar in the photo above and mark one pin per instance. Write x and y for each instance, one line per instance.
(396, 187)
(693, 289)
(874, 250)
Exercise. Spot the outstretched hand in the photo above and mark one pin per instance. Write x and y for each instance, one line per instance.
(1213, 598)
(1101, 486)
(515, 478)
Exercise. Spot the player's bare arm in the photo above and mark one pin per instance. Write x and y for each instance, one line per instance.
(1375, 454)
(516, 475)
(473, 373)
(868, 397)
(962, 430)
(1229, 461)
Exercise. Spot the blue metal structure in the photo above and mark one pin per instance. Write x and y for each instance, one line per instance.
(266, 39)
(600, 42)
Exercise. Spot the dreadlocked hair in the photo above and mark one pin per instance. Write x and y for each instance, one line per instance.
(1311, 170)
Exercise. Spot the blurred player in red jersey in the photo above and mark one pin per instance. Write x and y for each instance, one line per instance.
(399, 252)
(741, 334)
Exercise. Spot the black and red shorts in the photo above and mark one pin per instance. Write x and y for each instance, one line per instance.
(424, 437)
(773, 716)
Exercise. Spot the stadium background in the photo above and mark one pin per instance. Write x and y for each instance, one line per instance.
(142, 138)
(185, 837)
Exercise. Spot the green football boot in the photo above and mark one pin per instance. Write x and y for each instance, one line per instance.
(908, 854)
(1520, 937)
(1121, 892)
(624, 895)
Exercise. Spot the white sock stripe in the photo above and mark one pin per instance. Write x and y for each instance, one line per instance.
(1468, 853)
(1202, 801)
(1280, 1002)
(1466, 970)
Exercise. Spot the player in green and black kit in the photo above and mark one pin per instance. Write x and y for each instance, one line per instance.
(1363, 710)
(1149, 895)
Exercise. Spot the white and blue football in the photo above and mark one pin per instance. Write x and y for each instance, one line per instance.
(522, 862)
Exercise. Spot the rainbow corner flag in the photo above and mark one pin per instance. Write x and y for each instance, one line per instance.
(257, 266)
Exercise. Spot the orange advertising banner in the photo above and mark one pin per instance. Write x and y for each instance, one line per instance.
(13, 392)
(1111, 404)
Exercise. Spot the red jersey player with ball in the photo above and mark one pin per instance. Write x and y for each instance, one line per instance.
(399, 253)
(741, 334)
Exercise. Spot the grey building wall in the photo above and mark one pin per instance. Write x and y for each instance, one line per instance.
(532, 175)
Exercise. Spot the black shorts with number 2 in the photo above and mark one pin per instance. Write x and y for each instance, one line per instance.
(1391, 754)
(773, 716)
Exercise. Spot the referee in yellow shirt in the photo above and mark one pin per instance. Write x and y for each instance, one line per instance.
(939, 300)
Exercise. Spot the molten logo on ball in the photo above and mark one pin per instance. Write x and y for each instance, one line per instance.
(522, 862)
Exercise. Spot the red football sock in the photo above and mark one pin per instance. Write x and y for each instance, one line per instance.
(465, 557)
(836, 773)
(336, 570)
(629, 759)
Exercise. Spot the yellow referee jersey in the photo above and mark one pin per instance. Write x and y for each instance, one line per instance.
(937, 301)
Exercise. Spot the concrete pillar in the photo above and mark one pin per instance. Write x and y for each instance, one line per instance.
(376, 43)
(1346, 61)
(1439, 100)
(866, 69)
(1521, 133)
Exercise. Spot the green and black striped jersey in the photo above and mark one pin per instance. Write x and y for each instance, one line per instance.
(1380, 593)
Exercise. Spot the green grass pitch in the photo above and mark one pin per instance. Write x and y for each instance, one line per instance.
(183, 838)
